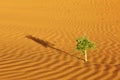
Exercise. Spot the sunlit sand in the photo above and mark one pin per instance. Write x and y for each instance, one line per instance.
(38, 38)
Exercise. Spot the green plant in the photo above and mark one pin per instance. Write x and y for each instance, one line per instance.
(83, 44)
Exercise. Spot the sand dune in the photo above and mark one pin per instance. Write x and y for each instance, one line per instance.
(37, 39)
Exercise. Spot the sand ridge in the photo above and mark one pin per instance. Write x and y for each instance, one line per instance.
(37, 39)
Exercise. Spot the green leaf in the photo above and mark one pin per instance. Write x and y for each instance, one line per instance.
(84, 44)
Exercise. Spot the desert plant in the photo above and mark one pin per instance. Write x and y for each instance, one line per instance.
(83, 44)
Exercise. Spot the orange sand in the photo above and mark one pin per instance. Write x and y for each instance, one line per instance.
(37, 39)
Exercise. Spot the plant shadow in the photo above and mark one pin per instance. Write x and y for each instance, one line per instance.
(47, 44)
(40, 41)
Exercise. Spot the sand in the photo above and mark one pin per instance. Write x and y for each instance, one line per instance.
(38, 37)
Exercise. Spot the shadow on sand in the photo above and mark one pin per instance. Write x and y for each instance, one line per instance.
(48, 44)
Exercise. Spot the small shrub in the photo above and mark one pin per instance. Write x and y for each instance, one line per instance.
(83, 44)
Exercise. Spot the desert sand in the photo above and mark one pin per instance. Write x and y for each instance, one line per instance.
(38, 37)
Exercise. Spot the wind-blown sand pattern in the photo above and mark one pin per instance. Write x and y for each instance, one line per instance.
(37, 39)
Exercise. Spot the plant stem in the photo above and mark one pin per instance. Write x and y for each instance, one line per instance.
(86, 55)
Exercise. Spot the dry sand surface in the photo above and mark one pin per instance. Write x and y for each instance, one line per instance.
(38, 37)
